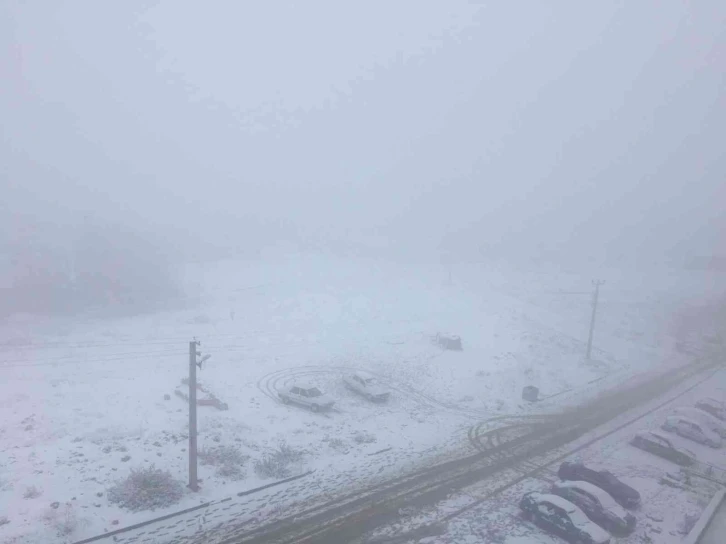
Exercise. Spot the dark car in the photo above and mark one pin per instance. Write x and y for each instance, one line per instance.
(713, 407)
(598, 505)
(623, 494)
(562, 518)
(659, 445)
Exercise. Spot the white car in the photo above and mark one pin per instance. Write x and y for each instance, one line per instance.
(704, 418)
(597, 504)
(306, 395)
(366, 385)
(561, 517)
(688, 428)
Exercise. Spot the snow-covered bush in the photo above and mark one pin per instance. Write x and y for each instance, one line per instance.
(32, 492)
(229, 459)
(65, 521)
(222, 455)
(146, 488)
(363, 437)
(276, 464)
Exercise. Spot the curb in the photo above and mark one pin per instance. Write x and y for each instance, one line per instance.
(191, 509)
(705, 520)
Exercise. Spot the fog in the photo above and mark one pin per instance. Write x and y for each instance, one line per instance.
(406, 128)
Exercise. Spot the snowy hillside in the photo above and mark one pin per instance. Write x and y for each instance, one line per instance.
(86, 400)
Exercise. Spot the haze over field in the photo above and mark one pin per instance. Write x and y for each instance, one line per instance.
(409, 128)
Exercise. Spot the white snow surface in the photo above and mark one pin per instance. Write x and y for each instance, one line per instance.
(83, 399)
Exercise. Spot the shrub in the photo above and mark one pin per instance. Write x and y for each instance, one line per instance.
(276, 464)
(230, 472)
(146, 489)
(222, 455)
(32, 492)
(65, 521)
(363, 437)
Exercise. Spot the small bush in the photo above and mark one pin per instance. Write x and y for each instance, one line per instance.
(363, 437)
(337, 444)
(65, 521)
(222, 455)
(32, 492)
(4, 520)
(276, 464)
(146, 489)
(231, 472)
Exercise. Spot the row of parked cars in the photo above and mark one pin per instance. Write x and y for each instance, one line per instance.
(588, 506)
(312, 397)
(585, 507)
(704, 423)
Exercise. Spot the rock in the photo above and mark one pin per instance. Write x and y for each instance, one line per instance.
(125, 458)
(99, 494)
(54, 505)
(167, 397)
(114, 522)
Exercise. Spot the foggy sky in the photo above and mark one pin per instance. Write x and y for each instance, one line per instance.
(580, 126)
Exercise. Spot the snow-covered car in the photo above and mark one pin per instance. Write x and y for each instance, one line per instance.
(367, 386)
(659, 445)
(306, 395)
(562, 518)
(713, 407)
(623, 494)
(598, 505)
(688, 428)
(704, 418)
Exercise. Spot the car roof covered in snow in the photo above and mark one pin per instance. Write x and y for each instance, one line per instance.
(600, 494)
(650, 434)
(363, 375)
(303, 385)
(556, 500)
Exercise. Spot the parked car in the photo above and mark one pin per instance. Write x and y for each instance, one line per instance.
(306, 395)
(659, 445)
(688, 428)
(704, 418)
(713, 407)
(597, 505)
(562, 518)
(623, 494)
(367, 386)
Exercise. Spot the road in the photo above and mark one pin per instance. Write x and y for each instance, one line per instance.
(348, 518)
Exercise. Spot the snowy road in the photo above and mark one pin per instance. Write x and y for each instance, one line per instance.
(347, 518)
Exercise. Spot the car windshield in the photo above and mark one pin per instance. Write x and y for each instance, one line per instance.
(313, 392)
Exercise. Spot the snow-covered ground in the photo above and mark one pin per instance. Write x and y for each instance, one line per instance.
(83, 400)
(670, 503)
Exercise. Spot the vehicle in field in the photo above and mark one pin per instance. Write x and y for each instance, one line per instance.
(704, 418)
(713, 407)
(659, 445)
(306, 395)
(562, 518)
(688, 428)
(623, 494)
(598, 505)
(367, 386)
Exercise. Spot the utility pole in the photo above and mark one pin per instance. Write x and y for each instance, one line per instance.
(193, 352)
(597, 284)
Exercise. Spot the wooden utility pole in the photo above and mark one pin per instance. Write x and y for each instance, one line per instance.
(193, 480)
(597, 284)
